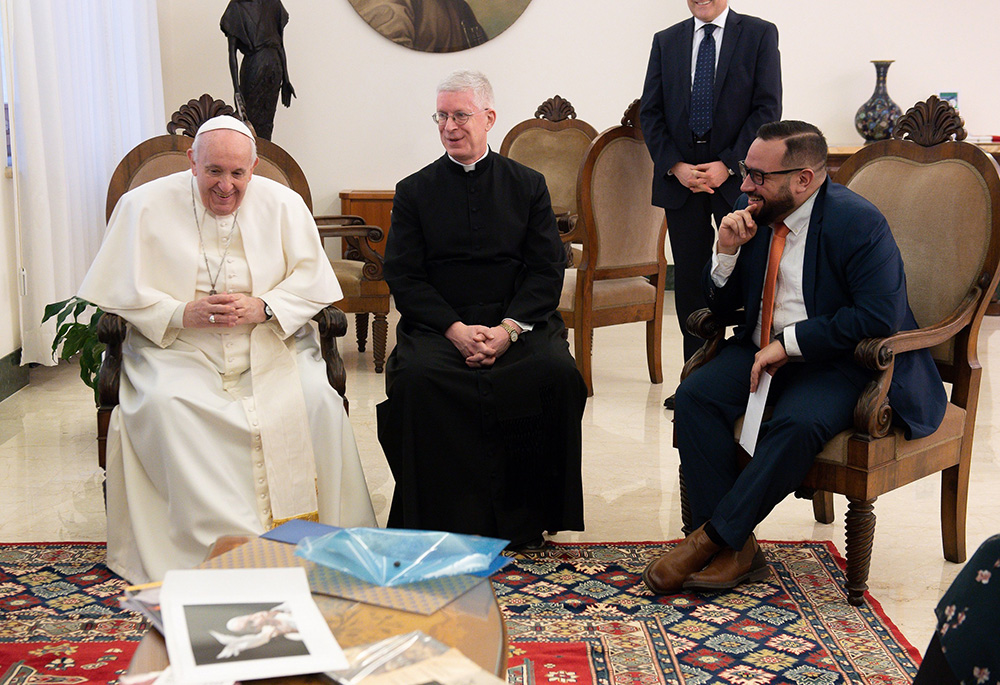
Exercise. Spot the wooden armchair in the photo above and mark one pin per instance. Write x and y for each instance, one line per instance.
(165, 155)
(360, 275)
(621, 274)
(941, 198)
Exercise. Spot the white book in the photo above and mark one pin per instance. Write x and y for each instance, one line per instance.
(223, 625)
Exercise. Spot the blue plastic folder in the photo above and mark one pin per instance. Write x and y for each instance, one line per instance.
(391, 557)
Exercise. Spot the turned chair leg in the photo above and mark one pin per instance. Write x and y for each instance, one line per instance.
(860, 534)
(380, 335)
(361, 323)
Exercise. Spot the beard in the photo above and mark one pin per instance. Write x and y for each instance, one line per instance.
(780, 205)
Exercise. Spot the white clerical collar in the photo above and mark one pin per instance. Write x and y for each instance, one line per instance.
(471, 167)
(719, 21)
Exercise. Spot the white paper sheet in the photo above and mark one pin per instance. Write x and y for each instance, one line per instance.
(754, 414)
(241, 624)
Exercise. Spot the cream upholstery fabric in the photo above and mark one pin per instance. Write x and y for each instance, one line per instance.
(349, 276)
(557, 155)
(947, 261)
(620, 292)
(627, 222)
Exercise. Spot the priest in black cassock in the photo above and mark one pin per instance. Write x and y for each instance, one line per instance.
(482, 423)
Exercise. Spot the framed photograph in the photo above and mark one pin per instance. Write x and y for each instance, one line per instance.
(440, 25)
(239, 624)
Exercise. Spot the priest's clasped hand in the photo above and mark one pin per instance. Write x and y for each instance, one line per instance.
(224, 310)
(479, 345)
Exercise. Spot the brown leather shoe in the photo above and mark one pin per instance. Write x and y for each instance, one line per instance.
(666, 575)
(729, 568)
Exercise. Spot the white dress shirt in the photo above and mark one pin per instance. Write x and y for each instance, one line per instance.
(789, 298)
(720, 27)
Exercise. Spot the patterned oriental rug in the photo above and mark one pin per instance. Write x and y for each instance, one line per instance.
(60, 623)
(576, 614)
(579, 613)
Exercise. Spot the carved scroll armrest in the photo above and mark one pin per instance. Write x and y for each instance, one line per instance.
(332, 325)
(359, 239)
(110, 331)
(872, 413)
(712, 328)
(338, 220)
(570, 229)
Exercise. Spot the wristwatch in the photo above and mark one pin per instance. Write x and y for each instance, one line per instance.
(267, 311)
(511, 331)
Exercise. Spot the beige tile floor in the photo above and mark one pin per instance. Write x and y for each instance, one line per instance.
(50, 487)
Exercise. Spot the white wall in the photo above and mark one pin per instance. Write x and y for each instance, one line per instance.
(361, 119)
(361, 116)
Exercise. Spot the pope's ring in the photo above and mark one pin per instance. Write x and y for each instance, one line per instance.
(211, 318)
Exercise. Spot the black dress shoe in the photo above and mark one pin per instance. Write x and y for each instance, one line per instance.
(669, 402)
(533, 545)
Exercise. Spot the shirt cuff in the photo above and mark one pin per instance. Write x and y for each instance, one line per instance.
(722, 267)
(791, 344)
(525, 327)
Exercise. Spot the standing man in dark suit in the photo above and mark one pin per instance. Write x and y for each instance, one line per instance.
(836, 277)
(712, 81)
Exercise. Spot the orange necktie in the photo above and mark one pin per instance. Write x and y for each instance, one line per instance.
(770, 282)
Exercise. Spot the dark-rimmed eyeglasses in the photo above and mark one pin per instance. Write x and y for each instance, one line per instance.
(460, 118)
(758, 177)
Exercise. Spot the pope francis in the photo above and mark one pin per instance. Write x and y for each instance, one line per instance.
(226, 423)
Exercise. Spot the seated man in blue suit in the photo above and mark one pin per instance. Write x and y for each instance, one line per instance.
(839, 279)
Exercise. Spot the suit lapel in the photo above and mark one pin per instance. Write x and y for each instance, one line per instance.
(683, 74)
(810, 261)
(730, 36)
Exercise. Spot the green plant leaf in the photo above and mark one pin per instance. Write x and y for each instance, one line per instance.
(52, 309)
(77, 337)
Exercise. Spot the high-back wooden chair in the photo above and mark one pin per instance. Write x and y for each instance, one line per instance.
(620, 276)
(167, 154)
(941, 198)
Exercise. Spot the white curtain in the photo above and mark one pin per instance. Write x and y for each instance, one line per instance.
(86, 88)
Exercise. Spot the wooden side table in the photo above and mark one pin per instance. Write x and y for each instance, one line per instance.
(374, 206)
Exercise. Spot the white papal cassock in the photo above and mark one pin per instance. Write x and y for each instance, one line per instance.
(213, 435)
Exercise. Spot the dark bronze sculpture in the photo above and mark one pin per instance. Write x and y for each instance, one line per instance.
(256, 28)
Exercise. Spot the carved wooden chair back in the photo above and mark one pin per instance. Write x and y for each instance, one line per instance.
(553, 143)
(941, 197)
(621, 274)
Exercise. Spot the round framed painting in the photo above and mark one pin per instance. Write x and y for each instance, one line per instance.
(440, 25)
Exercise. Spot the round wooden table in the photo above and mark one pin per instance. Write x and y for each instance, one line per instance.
(472, 623)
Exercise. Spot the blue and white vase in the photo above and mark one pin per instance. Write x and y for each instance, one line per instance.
(876, 118)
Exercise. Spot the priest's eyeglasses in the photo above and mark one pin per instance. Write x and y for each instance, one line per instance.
(758, 177)
(460, 118)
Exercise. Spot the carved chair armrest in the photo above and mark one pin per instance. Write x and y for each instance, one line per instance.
(359, 239)
(110, 331)
(872, 414)
(711, 327)
(338, 220)
(570, 229)
(332, 325)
